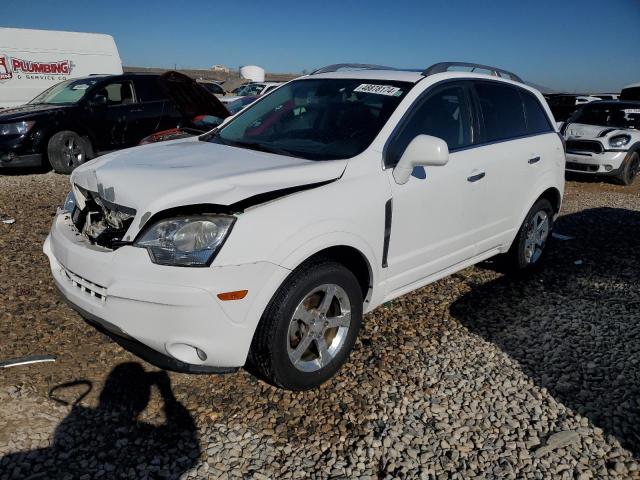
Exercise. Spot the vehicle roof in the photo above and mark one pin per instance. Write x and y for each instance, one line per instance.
(395, 75)
(117, 75)
(412, 76)
(633, 85)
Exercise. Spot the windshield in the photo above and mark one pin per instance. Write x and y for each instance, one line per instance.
(69, 91)
(609, 115)
(318, 119)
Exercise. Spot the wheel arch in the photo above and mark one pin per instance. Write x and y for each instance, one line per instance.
(351, 251)
(550, 193)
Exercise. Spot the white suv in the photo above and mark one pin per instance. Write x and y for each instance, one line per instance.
(262, 243)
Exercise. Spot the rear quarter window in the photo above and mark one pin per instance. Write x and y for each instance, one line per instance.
(502, 111)
(536, 117)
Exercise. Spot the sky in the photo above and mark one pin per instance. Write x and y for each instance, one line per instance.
(573, 46)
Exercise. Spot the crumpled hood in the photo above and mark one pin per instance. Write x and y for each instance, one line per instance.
(183, 172)
(581, 130)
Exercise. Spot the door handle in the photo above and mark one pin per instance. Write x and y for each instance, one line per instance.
(534, 160)
(476, 177)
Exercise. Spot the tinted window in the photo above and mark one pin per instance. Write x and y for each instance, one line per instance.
(117, 93)
(148, 89)
(501, 110)
(443, 114)
(610, 114)
(537, 120)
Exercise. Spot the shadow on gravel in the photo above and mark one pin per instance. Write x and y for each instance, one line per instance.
(13, 171)
(110, 441)
(575, 327)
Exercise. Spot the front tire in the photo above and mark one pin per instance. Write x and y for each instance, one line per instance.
(529, 248)
(66, 150)
(629, 169)
(309, 328)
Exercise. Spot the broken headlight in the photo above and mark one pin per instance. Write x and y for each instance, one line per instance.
(619, 140)
(69, 203)
(189, 241)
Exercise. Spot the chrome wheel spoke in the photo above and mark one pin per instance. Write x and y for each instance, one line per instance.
(324, 356)
(329, 294)
(343, 320)
(301, 313)
(302, 347)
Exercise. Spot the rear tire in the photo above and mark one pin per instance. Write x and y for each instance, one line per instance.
(530, 246)
(629, 170)
(307, 331)
(66, 150)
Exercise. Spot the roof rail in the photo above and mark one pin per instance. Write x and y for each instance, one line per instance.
(445, 66)
(353, 66)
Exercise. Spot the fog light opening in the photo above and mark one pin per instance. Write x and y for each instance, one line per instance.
(608, 168)
(201, 355)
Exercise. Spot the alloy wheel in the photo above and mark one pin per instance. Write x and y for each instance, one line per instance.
(318, 327)
(537, 234)
(73, 152)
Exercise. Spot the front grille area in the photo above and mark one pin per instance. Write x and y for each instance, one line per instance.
(582, 167)
(104, 223)
(89, 288)
(584, 146)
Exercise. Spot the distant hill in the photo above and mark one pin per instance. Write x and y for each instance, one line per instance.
(212, 75)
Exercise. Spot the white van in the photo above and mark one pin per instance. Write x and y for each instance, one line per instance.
(33, 60)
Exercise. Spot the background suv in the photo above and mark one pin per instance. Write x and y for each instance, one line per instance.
(78, 119)
(263, 242)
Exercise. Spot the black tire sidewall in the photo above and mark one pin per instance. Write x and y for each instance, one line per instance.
(625, 177)
(285, 373)
(54, 150)
(519, 260)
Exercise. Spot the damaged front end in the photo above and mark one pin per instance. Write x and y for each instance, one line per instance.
(102, 222)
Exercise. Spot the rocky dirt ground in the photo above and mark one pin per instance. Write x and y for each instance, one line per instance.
(475, 376)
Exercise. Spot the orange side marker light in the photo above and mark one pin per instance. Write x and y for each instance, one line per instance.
(237, 295)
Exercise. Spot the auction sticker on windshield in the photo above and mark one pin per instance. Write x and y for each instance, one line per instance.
(378, 89)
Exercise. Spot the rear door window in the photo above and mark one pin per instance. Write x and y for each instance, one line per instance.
(537, 120)
(502, 111)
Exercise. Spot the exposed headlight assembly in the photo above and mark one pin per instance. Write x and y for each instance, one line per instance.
(69, 203)
(18, 128)
(619, 140)
(190, 241)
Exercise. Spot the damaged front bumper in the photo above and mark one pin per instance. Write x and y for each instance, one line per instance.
(169, 316)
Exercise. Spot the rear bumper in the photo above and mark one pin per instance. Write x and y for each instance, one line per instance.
(606, 163)
(169, 316)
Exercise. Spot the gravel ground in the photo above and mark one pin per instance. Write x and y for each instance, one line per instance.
(475, 376)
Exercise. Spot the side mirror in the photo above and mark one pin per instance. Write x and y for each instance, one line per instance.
(424, 150)
(98, 101)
